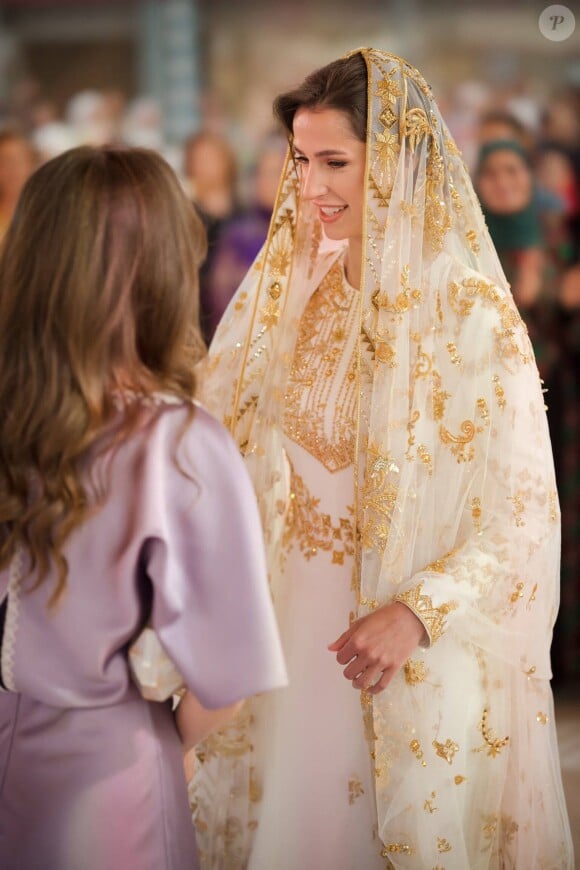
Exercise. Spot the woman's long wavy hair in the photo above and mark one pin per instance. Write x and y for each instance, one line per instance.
(98, 299)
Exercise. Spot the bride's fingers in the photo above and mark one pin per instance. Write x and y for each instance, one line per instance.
(384, 681)
(355, 667)
(368, 678)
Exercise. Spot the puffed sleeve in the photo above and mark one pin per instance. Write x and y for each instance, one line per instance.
(212, 608)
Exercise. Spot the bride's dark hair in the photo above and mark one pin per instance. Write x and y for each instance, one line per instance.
(340, 85)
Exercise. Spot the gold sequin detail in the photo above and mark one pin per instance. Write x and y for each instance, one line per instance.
(542, 718)
(327, 324)
(443, 845)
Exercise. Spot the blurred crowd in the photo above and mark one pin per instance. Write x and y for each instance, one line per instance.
(525, 163)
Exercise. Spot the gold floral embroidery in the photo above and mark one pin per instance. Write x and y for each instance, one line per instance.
(499, 830)
(323, 342)
(517, 593)
(355, 789)
(388, 89)
(397, 848)
(432, 617)
(493, 745)
(313, 530)
(378, 497)
(439, 397)
(232, 741)
(404, 301)
(439, 566)
(366, 702)
(471, 237)
(415, 672)
(499, 392)
(518, 508)
(428, 805)
(454, 354)
(443, 845)
(459, 780)
(462, 299)
(458, 443)
(416, 126)
(476, 514)
(415, 747)
(542, 718)
(446, 751)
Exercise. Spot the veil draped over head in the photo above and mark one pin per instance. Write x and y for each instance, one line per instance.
(456, 506)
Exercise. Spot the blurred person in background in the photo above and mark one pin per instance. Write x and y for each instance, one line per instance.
(535, 245)
(241, 237)
(93, 118)
(507, 191)
(17, 162)
(558, 176)
(561, 120)
(211, 174)
(496, 124)
(566, 647)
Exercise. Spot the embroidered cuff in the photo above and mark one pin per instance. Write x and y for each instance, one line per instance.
(433, 618)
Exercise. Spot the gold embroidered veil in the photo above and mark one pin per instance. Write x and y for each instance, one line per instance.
(456, 506)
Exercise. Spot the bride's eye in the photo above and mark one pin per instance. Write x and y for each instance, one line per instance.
(337, 164)
(300, 158)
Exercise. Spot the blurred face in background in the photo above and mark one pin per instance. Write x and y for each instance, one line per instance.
(209, 162)
(268, 177)
(555, 172)
(16, 165)
(505, 182)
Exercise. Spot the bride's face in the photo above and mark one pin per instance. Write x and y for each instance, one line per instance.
(331, 162)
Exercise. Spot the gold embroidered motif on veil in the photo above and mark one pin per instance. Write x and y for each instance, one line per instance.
(323, 342)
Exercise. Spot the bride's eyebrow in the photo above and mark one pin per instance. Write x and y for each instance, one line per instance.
(329, 152)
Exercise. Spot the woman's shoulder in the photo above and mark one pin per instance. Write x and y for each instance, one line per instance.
(196, 432)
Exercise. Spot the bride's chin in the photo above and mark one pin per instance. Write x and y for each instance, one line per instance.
(335, 233)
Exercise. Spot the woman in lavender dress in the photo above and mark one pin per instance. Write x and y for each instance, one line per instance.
(122, 503)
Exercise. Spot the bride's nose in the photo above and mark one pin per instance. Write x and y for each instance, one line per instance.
(313, 184)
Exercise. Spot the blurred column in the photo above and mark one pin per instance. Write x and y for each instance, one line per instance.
(169, 61)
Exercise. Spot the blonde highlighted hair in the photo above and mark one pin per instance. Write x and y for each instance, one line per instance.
(98, 297)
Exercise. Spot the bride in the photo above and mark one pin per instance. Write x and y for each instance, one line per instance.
(385, 396)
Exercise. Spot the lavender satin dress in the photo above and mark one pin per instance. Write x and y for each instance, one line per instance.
(91, 775)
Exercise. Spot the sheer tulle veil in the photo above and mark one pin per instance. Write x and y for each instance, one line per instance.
(456, 505)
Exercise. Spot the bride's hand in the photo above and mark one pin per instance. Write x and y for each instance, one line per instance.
(376, 646)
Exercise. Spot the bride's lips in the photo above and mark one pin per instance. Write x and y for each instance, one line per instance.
(331, 213)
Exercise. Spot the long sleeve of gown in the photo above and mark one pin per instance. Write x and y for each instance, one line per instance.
(493, 573)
